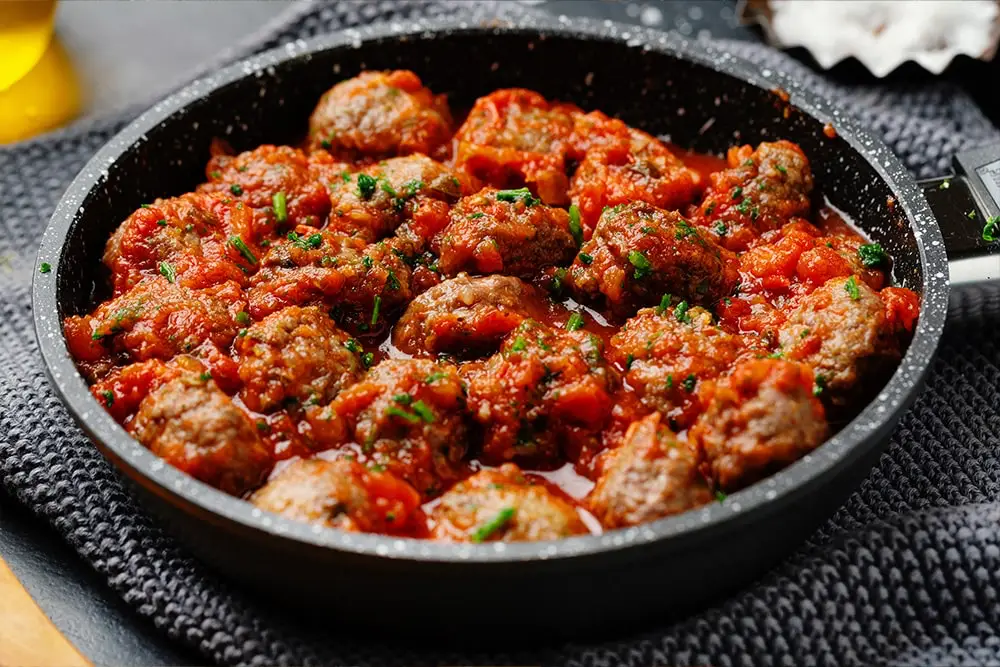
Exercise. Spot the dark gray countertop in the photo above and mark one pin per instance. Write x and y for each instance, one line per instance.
(129, 53)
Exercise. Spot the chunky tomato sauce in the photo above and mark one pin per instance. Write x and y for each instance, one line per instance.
(537, 323)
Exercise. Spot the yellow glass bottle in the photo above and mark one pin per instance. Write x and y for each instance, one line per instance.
(38, 88)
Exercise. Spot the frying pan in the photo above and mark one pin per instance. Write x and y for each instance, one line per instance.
(703, 99)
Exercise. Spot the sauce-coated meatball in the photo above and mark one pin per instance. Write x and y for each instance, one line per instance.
(190, 239)
(276, 180)
(467, 316)
(341, 494)
(840, 330)
(407, 415)
(638, 253)
(296, 355)
(516, 137)
(667, 351)
(650, 476)
(504, 231)
(629, 165)
(195, 427)
(414, 191)
(762, 190)
(502, 505)
(758, 420)
(380, 114)
(546, 392)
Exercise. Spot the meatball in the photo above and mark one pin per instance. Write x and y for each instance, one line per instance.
(502, 505)
(515, 137)
(341, 494)
(758, 420)
(362, 284)
(414, 190)
(503, 231)
(277, 180)
(547, 392)
(638, 253)
(466, 316)
(157, 319)
(628, 166)
(191, 424)
(667, 351)
(840, 330)
(296, 356)
(194, 239)
(762, 190)
(649, 477)
(408, 416)
(380, 114)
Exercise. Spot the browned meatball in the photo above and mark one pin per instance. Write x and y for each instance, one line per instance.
(762, 190)
(622, 165)
(185, 238)
(502, 505)
(516, 137)
(545, 393)
(380, 114)
(362, 284)
(195, 427)
(341, 494)
(504, 231)
(667, 351)
(638, 253)
(407, 415)
(467, 316)
(414, 191)
(277, 180)
(840, 330)
(758, 420)
(650, 476)
(296, 356)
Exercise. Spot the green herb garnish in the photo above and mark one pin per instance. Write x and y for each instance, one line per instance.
(367, 359)
(586, 259)
(664, 304)
(485, 531)
(524, 194)
(689, 383)
(242, 247)
(720, 228)
(366, 186)
(575, 228)
(243, 317)
(168, 271)
(872, 254)
(44, 267)
(279, 202)
(641, 264)
(990, 229)
(375, 309)
(236, 189)
(681, 313)
(423, 411)
(352, 345)
(109, 398)
(402, 414)
(851, 287)
(574, 322)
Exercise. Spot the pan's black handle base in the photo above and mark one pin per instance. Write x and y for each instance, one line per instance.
(967, 206)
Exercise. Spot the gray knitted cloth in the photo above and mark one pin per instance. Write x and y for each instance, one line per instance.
(906, 573)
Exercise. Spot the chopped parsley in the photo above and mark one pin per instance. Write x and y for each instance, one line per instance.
(519, 344)
(279, 202)
(684, 229)
(367, 262)
(243, 249)
(367, 359)
(641, 264)
(574, 322)
(720, 496)
(162, 222)
(498, 522)
(44, 267)
(243, 317)
(586, 259)
(375, 309)
(689, 383)
(664, 304)
(168, 271)
(991, 228)
(629, 358)
(945, 184)
(522, 194)
(575, 228)
(109, 398)
(670, 380)
(851, 287)
(737, 193)
(352, 345)
(681, 313)
(366, 186)
(236, 189)
(820, 385)
(720, 228)
(310, 242)
(872, 254)
(205, 377)
(781, 168)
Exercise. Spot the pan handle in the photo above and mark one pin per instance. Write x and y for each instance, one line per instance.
(967, 207)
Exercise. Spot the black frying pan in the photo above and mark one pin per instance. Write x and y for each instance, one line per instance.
(661, 83)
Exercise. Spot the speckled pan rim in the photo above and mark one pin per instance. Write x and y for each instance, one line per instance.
(789, 485)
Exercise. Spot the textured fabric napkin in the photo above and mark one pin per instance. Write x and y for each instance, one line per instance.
(906, 573)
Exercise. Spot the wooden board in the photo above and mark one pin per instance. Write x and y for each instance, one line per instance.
(27, 636)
